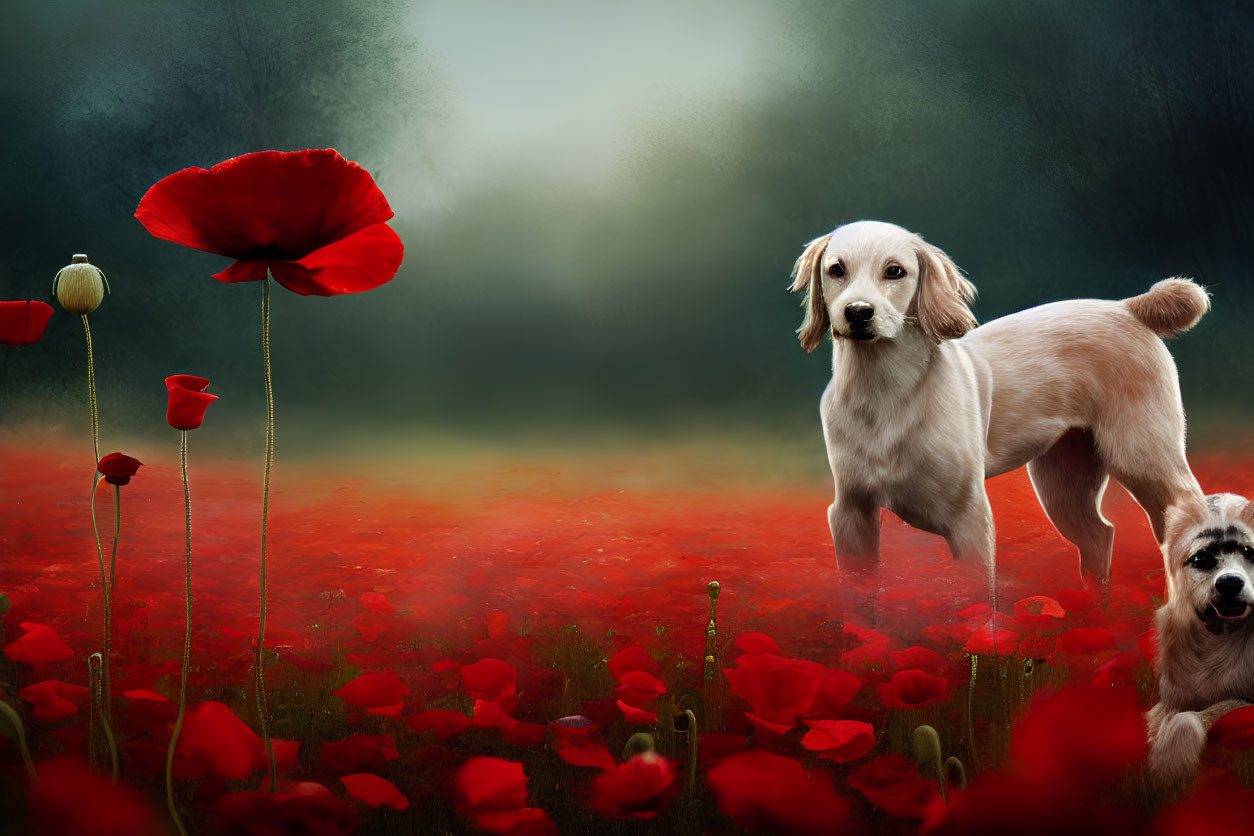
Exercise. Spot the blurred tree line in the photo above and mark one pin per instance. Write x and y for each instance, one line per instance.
(1053, 149)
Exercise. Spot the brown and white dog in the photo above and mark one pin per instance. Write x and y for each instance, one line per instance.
(923, 406)
(1205, 631)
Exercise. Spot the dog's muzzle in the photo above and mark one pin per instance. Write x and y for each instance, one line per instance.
(859, 316)
(1228, 603)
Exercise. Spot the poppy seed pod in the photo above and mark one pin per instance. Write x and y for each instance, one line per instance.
(80, 286)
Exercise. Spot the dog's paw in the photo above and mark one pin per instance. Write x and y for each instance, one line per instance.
(1177, 750)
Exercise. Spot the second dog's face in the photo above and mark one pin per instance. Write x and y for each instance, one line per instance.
(1211, 560)
(870, 273)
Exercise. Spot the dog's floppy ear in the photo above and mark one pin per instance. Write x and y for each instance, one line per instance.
(941, 302)
(806, 276)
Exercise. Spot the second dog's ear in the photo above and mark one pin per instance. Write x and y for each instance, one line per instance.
(807, 276)
(942, 300)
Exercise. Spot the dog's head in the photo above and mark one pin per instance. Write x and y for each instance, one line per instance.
(867, 281)
(1210, 560)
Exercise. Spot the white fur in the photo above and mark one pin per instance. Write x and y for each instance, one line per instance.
(918, 417)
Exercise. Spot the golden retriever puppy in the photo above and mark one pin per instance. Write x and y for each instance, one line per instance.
(1205, 635)
(923, 406)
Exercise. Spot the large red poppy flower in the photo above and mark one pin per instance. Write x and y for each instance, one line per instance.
(638, 789)
(313, 219)
(308, 808)
(22, 323)
(188, 400)
(70, 798)
(911, 689)
(762, 791)
(118, 469)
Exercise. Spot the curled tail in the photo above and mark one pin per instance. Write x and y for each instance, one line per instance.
(1170, 307)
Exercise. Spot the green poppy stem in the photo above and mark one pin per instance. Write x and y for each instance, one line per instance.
(15, 720)
(95, 676)
(91, 396)
(187, 646)
(106, 704)
(259, 661)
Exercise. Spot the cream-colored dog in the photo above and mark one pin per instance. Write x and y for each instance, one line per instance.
(1205, 634)
(923, 406)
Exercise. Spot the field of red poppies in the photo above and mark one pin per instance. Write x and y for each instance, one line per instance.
(510, 645)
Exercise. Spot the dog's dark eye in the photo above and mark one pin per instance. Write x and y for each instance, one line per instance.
(836, 270)
(895, 272)
(1202, 561)
(1247, 552)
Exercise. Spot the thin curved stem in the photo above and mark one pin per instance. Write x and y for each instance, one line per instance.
(106, 706)
(95, 676)
(187, 646)
(113, 579)
(91, 396)
(259, 661)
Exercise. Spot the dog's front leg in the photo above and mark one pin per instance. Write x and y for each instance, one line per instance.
(1178, 739)
(972, 537)
(855, 524)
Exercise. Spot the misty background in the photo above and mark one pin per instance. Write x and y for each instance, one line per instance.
(601, 203)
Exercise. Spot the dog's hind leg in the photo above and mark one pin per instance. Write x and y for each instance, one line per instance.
(1069, 479)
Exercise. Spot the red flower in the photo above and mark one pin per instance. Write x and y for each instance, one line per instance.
(39, 644)
(630, 659)
(893, 784)
(636, 715)
(1105, 735)
(911, 689)
(639, 688)
(841, 741)
(762, 791)
(490, 679)
(577, 740)
(756, 643)
(313, 219)
(69, 798)
(309, 809)
(22, 323)
(188, 401)
(915, 657)
(986, 642)
(374, 791)
(216, 742)
(779, 689)
(1039, 605)
(358, 753)
(375, 691)
(492, 795)
(118, 469)
(638, 789)
(55, 700)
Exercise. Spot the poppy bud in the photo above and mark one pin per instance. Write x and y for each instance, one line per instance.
(188, 401)
(80, 286)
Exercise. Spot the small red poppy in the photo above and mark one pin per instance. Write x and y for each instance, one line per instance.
(22, 323)
(188, 401)
(841, 741)
(313, 219)
(55, 700)
(911, 689)
(489, 679)
(40, 644)
(639, 789)
(358, 753)
(118, 469)
(762, 791)
(374, 791)
(893, 784)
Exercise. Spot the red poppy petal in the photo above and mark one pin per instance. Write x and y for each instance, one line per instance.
(140, 695)
(374, 791)
(70, 798)
(634, 658)
(639, 789)
(216, 742)
(372, 690)
(489, 679)
(756, 643)
(893, 784)
(767, 792)
(186, 409)
(911, 689)
(841, 741)
(40, 644)
(486, 785)
(55, 700)
(634, 715)
(639, 688)
(360, 262)
(22, 323)
(244, 271)
(1039, 605)
(986, 642)
(285, 203)
(358, 753)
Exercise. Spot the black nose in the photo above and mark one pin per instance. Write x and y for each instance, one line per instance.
(1229, 586)
(858, 313)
